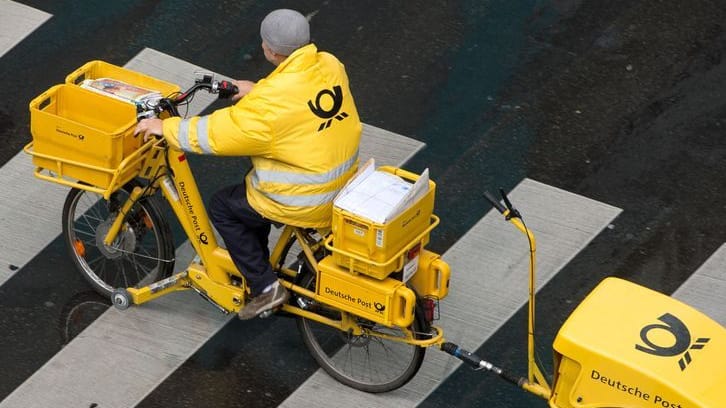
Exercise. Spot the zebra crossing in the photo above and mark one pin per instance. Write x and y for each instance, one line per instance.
(121, 357)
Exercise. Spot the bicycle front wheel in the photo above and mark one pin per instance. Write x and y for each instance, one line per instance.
(141, 254)
(367, 363)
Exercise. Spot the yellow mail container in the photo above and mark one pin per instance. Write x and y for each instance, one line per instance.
(83, 135)
(432, 276)
(88, 136)
(386, 301)
(378, 249)
(101, 69)
(629, 346)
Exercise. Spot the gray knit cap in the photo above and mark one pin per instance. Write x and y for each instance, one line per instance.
(285, 30)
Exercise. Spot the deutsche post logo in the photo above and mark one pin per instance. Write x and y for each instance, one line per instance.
(336, 94)
(682, 344)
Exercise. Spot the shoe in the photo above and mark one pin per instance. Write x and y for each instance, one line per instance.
(264, 301)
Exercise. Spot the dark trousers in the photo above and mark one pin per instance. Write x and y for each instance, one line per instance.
(245, 232)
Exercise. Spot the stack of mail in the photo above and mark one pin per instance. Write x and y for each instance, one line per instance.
(380, 196)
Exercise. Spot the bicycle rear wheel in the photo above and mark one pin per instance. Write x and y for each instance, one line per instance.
(141, 254)
(367, 363)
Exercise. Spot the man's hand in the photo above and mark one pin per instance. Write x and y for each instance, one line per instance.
(244, 88)
(149, 128)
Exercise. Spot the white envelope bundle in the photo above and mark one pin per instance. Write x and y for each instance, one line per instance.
(380, 196)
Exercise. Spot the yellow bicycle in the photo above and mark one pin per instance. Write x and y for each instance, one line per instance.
(362, 321)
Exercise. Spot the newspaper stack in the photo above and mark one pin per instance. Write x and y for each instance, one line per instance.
(121, 90)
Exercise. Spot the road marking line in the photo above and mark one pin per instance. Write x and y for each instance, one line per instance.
(17, 21)
(489, 267)
(31, 210)
(705, 288)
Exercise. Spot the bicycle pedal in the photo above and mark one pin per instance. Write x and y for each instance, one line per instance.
(267, 313)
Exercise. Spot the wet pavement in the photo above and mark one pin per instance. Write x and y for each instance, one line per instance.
(619, 101)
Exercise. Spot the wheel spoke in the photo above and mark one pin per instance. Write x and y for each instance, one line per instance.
(123, 273)
(85, 220)
(92, 207)
(366, 362)
(133, 258)
(142, 271)
(136, 267)
(146, 252)
(96, 259)
(88, 217)
(91, 234)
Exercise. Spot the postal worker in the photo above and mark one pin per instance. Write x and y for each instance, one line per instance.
(300, 127)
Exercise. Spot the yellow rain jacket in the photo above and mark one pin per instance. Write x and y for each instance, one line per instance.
(301, 129)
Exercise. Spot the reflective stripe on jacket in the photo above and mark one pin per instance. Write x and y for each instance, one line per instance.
(301, 129)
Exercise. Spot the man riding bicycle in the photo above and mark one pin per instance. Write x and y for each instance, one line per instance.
(301, 129)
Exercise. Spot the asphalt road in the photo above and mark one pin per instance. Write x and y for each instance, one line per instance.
(619, 101)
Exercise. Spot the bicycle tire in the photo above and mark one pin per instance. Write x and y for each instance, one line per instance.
(142, 253)
(369, 364)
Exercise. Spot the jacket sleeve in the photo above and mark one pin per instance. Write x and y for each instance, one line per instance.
(240, 130)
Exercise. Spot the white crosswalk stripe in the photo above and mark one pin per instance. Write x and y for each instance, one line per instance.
(16, 22)
(123, 356)
(705, 289)
(39, 203)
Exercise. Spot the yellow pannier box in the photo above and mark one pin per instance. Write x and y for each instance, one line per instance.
(376, 249)
(101, 69)
(432, 276)
(82, 135)
(387, 301)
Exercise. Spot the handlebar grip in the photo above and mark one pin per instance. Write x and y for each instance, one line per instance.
(494, 202)
(227, 89)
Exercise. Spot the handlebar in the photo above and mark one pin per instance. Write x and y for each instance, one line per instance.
(507, 209)
(225, 89)
(494, 202)
(153, 108)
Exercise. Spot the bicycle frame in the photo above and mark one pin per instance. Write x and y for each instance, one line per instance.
(212, 277)
(183, 196)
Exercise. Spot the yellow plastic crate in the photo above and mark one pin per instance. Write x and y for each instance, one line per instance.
(101, 69)
(378, 249)
(83, 135)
